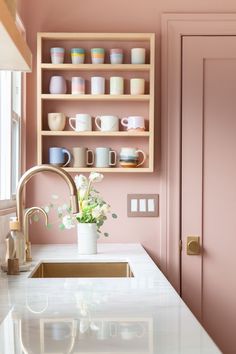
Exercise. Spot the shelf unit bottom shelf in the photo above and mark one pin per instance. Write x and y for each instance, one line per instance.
(109, 169)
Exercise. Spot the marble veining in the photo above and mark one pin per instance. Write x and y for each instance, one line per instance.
(142, 315)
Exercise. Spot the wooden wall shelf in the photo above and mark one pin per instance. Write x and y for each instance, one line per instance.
(95, 104)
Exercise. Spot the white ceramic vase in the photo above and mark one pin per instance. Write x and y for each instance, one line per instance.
(87, 238)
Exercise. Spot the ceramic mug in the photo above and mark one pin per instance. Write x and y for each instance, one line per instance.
(135, 123)
(116, 56)
(83, 122)
(137, 86)
(56, 121)
(129, 157)
(97, 85)
(57, 156)
(77, 55)
(57, 55)
(81, 157)
(104, 157)
(131, 330)
(77, 85)
(97, 55)
(138, 55)
(107, 123)
(57, 85)
(116, 85)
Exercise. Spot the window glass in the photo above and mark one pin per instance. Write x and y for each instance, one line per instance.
(10, 133)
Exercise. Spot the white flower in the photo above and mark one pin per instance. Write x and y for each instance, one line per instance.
(82, 193)
(96, 212)
(95, 177)
(68, 222)
(105, 208)
(47, 209)
(81, 181)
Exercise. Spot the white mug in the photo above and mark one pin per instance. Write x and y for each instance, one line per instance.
(138, 55)
(97, 85)
(77, 85)
(136, 123)
(116, 85)
(83, 122)
(103, 157)
(107, 123)
(137, 86)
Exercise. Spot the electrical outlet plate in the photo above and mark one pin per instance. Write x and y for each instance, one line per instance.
(143, 205)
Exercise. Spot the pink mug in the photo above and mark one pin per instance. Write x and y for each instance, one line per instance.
(136, 123)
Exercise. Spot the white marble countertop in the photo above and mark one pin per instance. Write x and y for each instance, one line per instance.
(142, 315)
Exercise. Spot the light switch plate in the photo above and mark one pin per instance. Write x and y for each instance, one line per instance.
(143, 205)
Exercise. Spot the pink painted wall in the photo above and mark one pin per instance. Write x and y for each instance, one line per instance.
(102, 16)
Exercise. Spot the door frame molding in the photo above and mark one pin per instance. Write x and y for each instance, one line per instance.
(174, 27)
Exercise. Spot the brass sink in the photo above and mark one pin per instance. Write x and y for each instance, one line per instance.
(82, 270)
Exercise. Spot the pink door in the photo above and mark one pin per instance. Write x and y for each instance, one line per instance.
(209, 183)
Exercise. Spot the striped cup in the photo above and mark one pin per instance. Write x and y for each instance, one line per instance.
(57, 55)
(77, 55)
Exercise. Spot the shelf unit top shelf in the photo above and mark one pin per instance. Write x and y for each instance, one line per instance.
(96, 36)
(96, 133)
(88, 97)
(96, 67)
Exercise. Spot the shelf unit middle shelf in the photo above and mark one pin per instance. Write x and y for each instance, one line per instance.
(95, 133)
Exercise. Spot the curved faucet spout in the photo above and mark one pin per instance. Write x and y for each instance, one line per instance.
(44, 168)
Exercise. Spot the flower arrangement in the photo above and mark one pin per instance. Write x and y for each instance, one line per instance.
(92, 207)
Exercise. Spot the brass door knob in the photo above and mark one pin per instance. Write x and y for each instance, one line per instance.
(193, 245)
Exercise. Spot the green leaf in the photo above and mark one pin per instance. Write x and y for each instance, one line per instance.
(62, 227)
(114, 216)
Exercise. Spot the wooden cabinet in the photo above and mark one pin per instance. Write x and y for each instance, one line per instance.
(119, 105)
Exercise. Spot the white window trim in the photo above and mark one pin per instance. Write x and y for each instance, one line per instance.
(8, 206)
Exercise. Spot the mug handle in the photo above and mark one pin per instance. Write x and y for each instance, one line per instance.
(96, 122)
(110, 158)
(144, 157)
(87, 157)
(67, 152)
(123, 122)
(70, 123)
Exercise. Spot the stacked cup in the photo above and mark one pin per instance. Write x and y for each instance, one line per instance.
(77, 55)
(116, 56)
(57, 55)
(97, 55)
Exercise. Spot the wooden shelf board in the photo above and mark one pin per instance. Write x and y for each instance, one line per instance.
(96, 67)
(89, 97)
(95, 133)
(108, 170)
(95, 36)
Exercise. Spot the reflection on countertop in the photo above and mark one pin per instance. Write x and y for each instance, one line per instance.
(142, 315)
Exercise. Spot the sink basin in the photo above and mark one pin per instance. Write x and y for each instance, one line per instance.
(82, 270)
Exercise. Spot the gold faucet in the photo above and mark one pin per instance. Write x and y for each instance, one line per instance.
(30, 173)
(28, 213)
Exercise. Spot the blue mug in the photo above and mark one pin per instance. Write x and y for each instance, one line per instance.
(57, 156)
